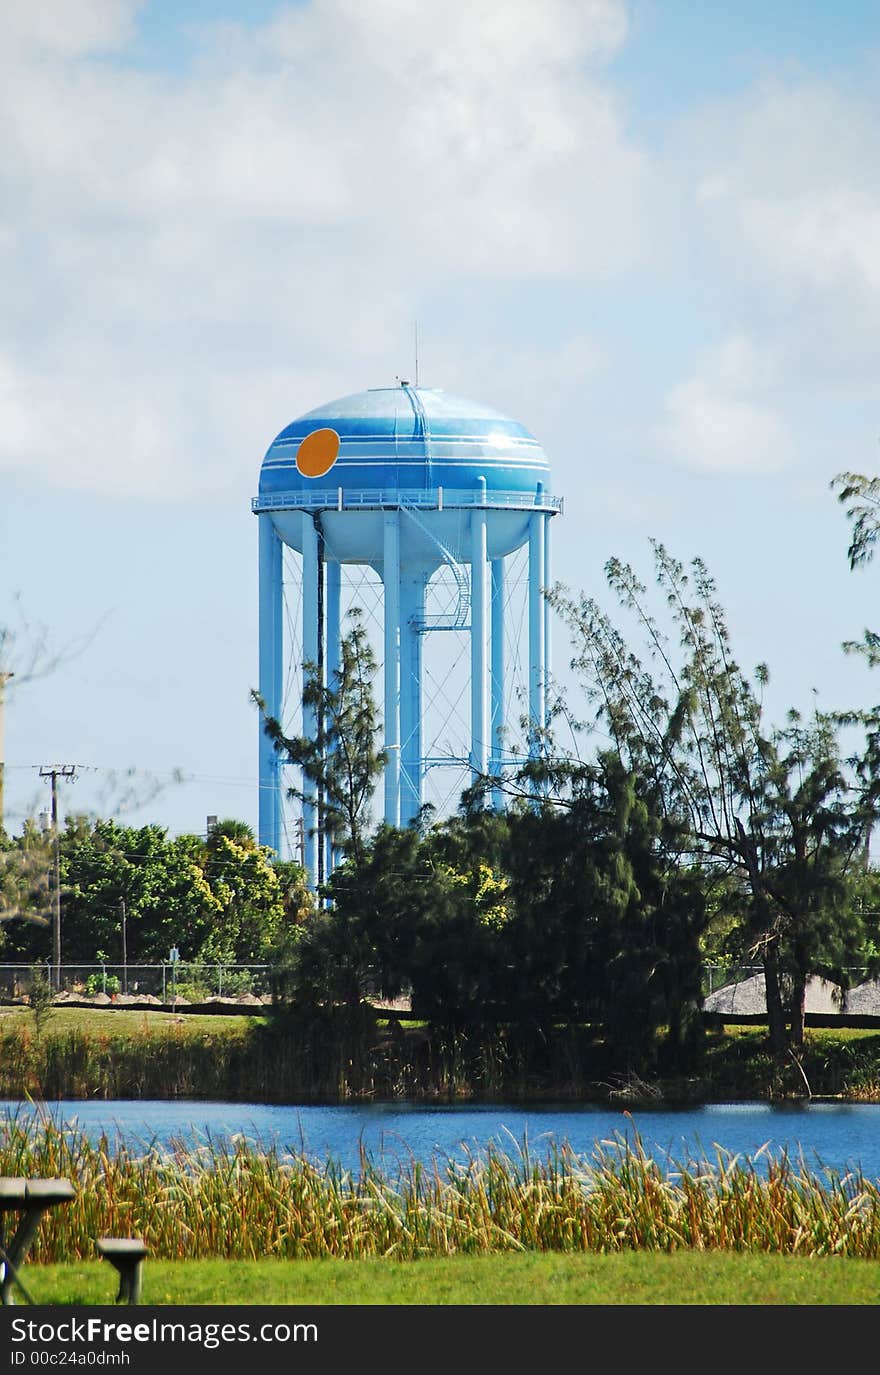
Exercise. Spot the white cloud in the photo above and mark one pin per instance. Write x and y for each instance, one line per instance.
(718, 420)
(187, 260)
(780, 196)
(18, 413)
(786, 192)
(828, 238)
(710, 429)
(70, 27)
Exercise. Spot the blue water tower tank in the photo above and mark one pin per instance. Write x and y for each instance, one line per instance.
(403, 479)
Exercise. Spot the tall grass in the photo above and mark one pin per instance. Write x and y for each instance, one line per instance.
(346, 1056)
(342, 1055)
(237, 1200)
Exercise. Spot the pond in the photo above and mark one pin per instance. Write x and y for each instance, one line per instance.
(825, 1136)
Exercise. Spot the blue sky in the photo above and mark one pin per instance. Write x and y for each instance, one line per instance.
(650, 231)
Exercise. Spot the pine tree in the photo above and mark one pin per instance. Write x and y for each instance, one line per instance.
(773, 807)
(343, 761)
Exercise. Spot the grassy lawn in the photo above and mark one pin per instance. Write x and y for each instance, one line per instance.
(128, 1022)
(639, 1277)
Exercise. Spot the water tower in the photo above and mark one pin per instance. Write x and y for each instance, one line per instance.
(405, 480)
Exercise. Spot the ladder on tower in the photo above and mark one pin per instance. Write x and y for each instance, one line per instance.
(461, 616)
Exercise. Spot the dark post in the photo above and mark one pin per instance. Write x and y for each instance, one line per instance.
(124, 949)
(54, 772)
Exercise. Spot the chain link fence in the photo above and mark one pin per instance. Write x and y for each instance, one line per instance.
(197, 980)
(171, 979)
(717, 976)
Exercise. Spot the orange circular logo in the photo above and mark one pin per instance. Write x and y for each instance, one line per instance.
(317, 453)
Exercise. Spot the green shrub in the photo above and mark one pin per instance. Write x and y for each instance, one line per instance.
(193, 991)
(102, 983)
(40, 998)
(236, 981)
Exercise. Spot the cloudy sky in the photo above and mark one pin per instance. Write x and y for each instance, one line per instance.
(649, 230)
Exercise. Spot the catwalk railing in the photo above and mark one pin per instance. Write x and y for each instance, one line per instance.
(430, 499)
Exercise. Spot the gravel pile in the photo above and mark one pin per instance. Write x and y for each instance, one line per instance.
(747, 997)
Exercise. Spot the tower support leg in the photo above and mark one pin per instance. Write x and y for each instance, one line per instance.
(479, 677)
(332, 615)
(537, 665)
(547, 618)
(497, 676)
(271, 655)
(412, 613)
(310, 661)
(391, 580)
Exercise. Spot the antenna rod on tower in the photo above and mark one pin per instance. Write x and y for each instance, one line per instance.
(417, 351)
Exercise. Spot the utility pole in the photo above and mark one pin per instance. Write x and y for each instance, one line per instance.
(54, 772)
(4, 679)
(124, 947)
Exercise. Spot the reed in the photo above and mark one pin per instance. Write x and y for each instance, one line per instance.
(237, 1200)
(348, 1055)
(343, 1055)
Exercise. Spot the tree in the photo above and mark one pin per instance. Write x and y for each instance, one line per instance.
(861, 496)
(361, 943)
(408, 918)
(247, 924)
(773, 807)
(156, 881)
(569, 911)
(459, 948)
(605, 920)
(108, 871)
(25, 655)
(25, 869)
(343, 761)
(295, 896)
(40, 998)
(221, 900)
